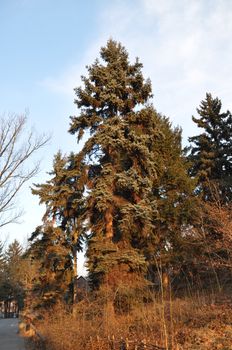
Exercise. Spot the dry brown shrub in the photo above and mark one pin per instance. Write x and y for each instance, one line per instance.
(190, 323)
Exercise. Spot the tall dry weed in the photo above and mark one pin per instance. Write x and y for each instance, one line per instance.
(91, 326)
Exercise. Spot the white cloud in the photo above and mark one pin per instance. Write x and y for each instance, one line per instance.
(185, 46)
(186, 50)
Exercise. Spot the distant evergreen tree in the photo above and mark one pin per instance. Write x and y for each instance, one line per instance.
(14, 272)
(14, 252)
(212, 149)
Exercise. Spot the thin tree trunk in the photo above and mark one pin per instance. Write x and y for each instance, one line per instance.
(74, 276)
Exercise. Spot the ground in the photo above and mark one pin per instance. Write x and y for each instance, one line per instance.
(9, 338)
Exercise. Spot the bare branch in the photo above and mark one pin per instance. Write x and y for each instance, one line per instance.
(17, 147)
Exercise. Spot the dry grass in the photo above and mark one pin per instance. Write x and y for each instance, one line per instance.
(199, 323)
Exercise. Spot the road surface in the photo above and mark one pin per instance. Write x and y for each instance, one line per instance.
(9, 339)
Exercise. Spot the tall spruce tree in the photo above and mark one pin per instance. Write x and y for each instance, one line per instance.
(211, 151)
(137, 177)
(121, 165)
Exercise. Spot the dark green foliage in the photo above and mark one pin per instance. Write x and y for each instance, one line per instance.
(212, 149)
(57, 242)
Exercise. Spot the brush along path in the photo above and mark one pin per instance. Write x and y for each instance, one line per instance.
(9, 338)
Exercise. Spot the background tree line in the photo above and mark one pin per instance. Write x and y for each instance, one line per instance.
(16, 274)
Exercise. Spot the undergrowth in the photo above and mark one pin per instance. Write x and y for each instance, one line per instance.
(200, 322)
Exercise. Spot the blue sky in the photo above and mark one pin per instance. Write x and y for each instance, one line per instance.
(185, 46)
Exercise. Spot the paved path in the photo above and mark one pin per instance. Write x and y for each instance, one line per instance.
(9, 339)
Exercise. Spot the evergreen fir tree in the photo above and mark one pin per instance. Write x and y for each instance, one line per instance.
(14, 252)
(57, 242)
(211, 150)
(121, 164)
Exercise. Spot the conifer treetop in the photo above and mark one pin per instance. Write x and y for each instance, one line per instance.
(211, 150)
(114, 87)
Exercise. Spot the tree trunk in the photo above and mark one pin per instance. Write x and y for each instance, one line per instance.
(74, 276)
(109, 223)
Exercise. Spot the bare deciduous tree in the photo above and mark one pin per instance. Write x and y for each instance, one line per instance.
(17, 146)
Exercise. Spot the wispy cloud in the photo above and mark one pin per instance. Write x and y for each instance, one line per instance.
(65, 82)
(185, 46)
